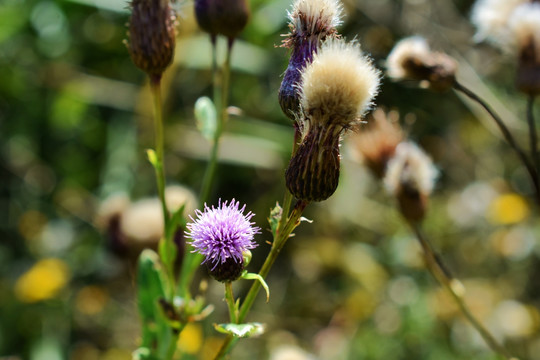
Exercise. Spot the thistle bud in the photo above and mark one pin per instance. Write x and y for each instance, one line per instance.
(491, 20)
(310, 23)
(412, 59)
(410, 177)
(524, 25)
(152, 35)
(376, 144)
(337, 89)
(224, 17)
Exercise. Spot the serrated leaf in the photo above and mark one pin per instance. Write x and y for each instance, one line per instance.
(241, 330)
(206, 116)
(167, 252)
(273, 219)
(177, 220)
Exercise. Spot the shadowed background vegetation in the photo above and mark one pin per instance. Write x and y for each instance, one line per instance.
(76, 118)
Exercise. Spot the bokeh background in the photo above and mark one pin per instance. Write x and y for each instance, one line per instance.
(76, 118)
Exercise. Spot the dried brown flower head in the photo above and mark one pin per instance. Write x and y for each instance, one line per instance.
(337, 89)
(376, 143)
(152, 35)
(222, 17)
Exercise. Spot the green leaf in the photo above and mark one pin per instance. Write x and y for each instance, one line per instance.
(152, 157)
(206, 116)
(241, 330)
(151, 286)
(177, 220)
(273, 219)
(251, 276)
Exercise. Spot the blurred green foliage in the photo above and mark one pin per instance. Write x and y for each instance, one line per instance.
(75, 120)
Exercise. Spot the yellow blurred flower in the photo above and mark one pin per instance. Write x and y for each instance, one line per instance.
(190, 339)
(43, 281)
(91, 300)
(508, 209)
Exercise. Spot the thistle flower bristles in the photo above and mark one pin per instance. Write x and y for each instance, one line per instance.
(152, 33)
(410, 177)
(337, 89)
(412, 59)
(339, 86)
(310, 23)
(222, 235)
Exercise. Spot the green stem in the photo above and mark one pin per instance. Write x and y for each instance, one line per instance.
(277, 246)
(229, 298)
(453, 286)
(288, 198)
(220, 94)
(155, 86)
(531, 169)
(533, 137)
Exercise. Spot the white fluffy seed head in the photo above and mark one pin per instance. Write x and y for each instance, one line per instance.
(491, 20)
(414, 47)
(311, 17)
(410, 167)
(338, 87)
(524, 25)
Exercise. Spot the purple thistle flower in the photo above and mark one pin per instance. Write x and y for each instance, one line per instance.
(222, 233)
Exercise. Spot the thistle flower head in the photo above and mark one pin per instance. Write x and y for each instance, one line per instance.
(310, 23)
(222, 234)
(152, 35)
(410, 177)
(314, 18)
(376, 144)
(338, 87)
(225, 17)
(491, 19)
(524, 28)
(411, 58)
(413, 47)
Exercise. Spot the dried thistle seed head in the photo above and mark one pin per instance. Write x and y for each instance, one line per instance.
(410, 177)
(152, 32)
(524, 28)
(223, 17)
(313, 19)
(491, 20)
(313, 172)
(376, 143)
(310, 23)
(411, 58)
(338, 87)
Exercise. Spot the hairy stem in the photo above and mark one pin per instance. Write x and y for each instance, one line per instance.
(454, 287)
(229, 298)
(531, 169)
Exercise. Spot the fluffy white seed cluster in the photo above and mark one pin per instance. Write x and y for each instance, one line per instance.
(524, 25)
(309, 17)
(410, 166)
(414, 47)
(505, 23)
(339, 85)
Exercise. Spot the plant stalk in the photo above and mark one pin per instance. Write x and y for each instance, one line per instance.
(531, 169)
(533, 137)
(454, 287)
(229, 298)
